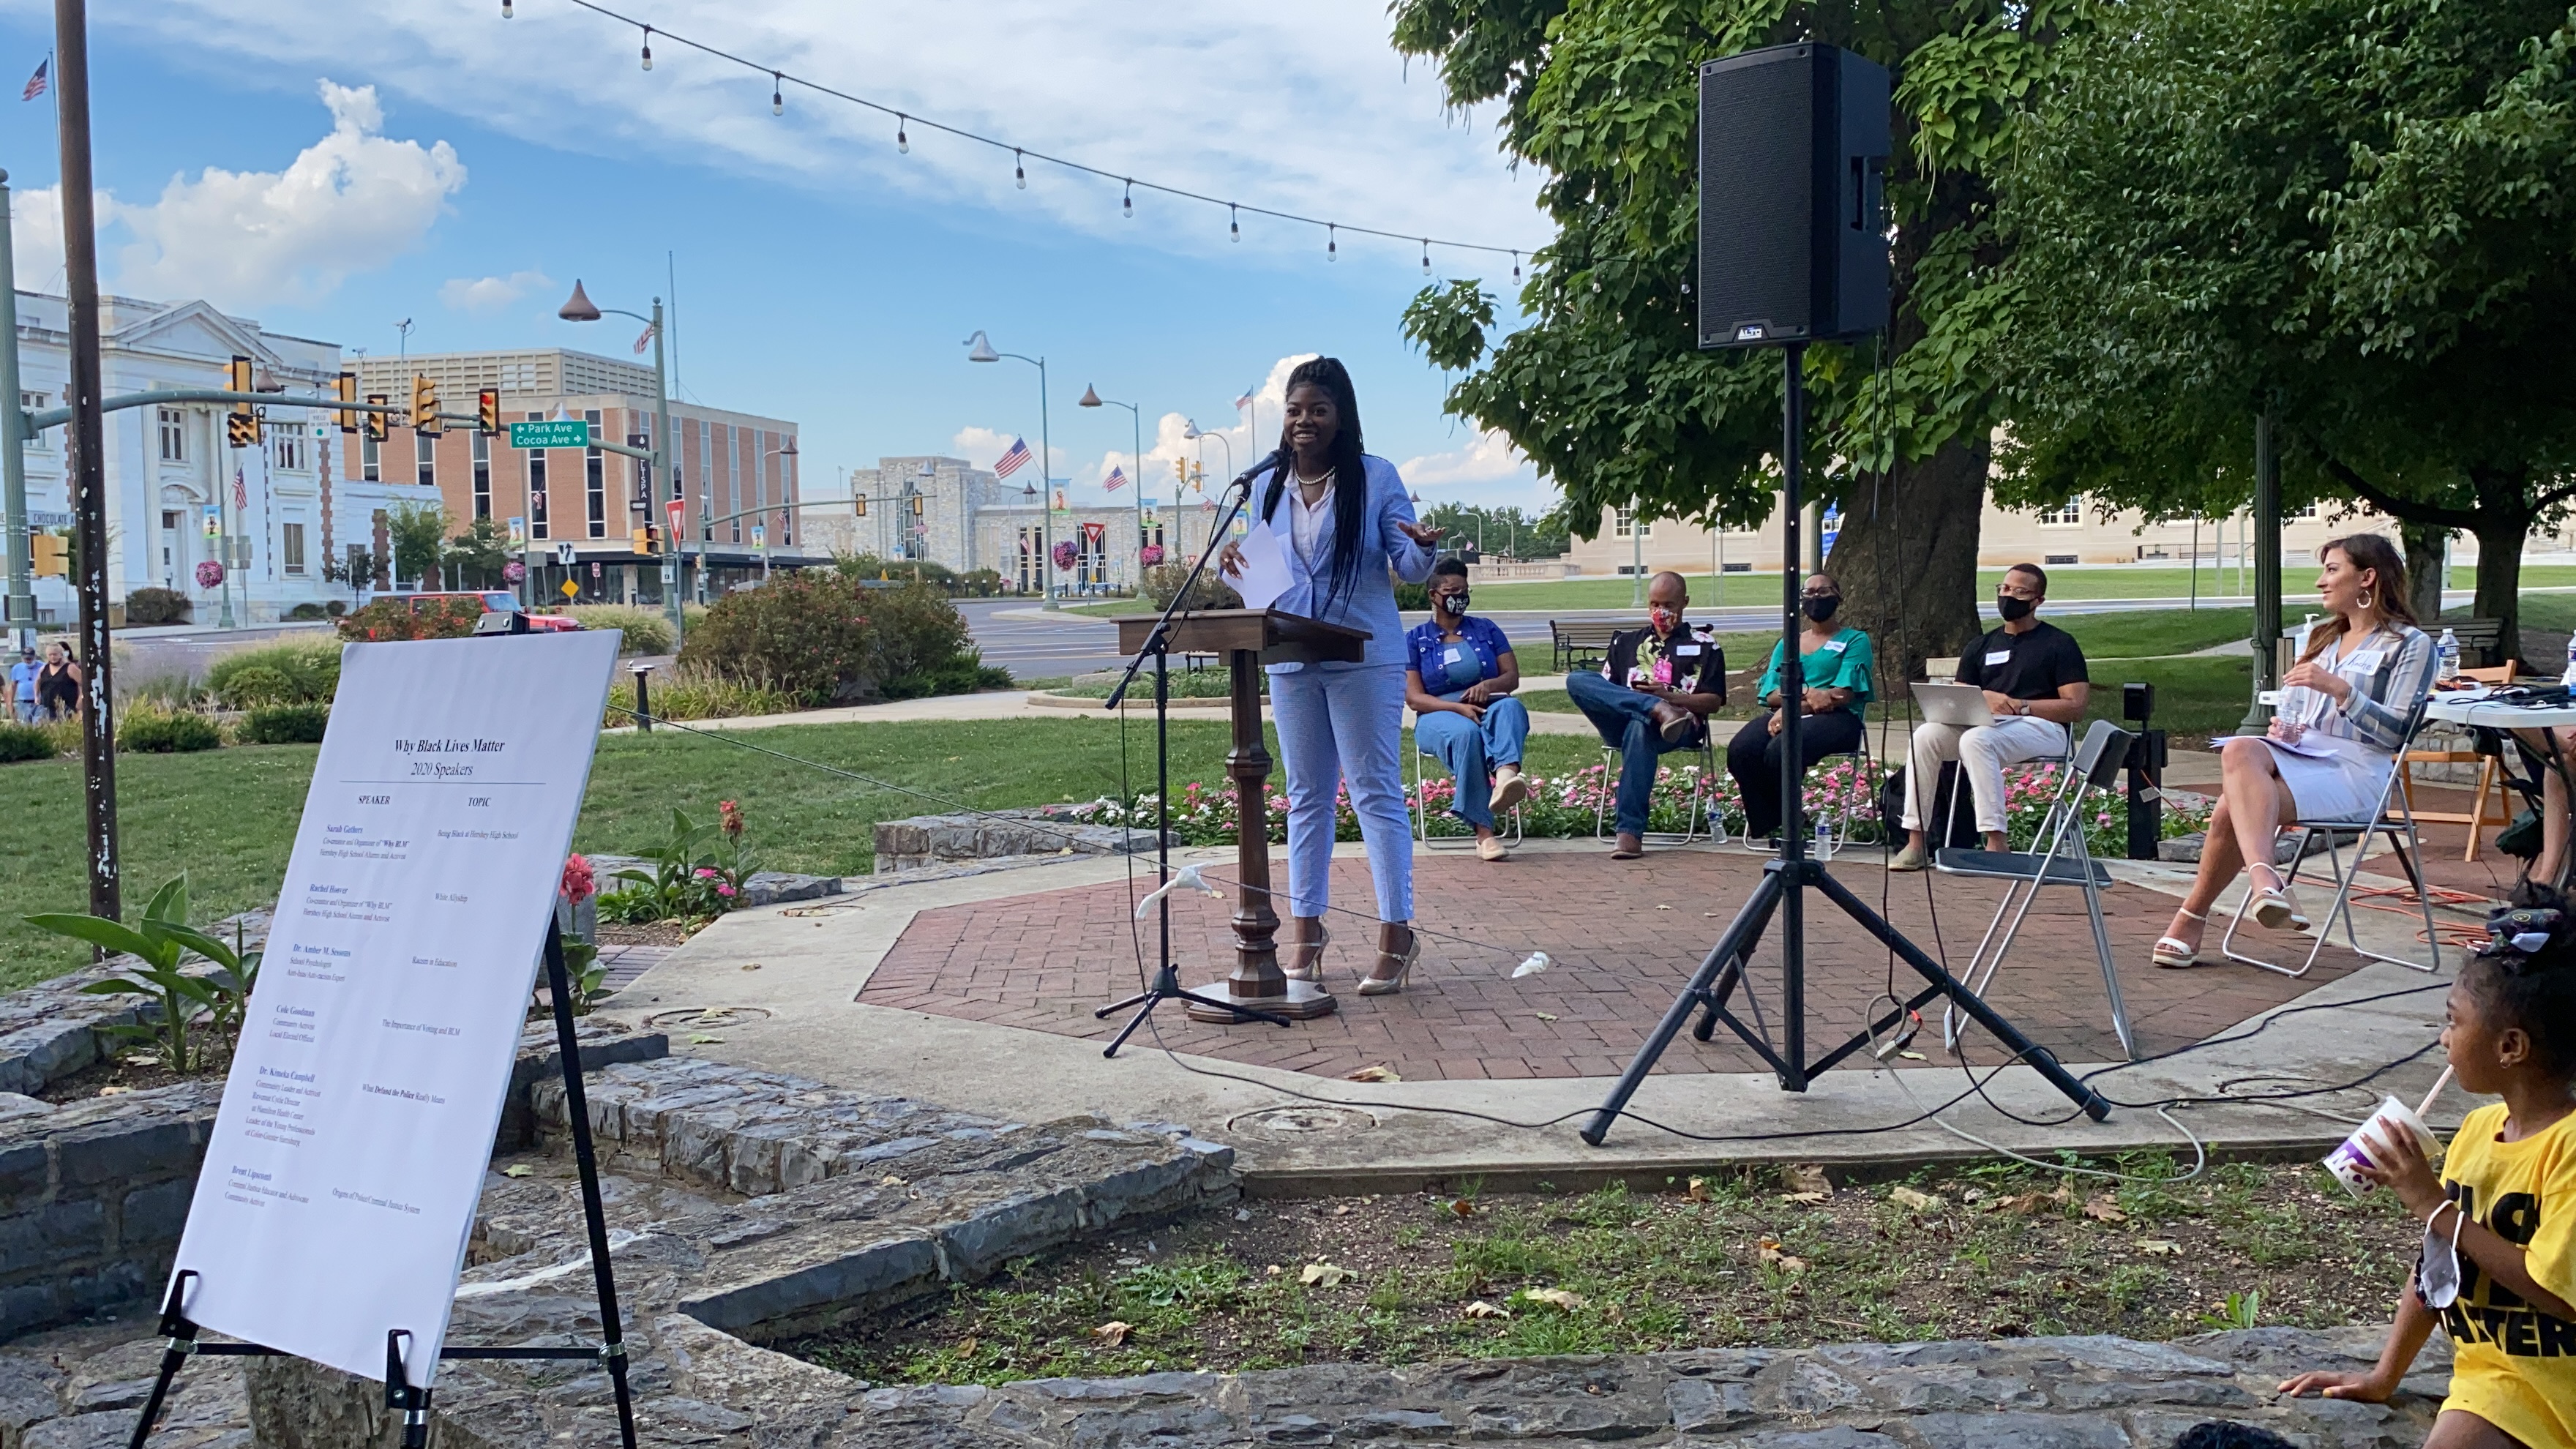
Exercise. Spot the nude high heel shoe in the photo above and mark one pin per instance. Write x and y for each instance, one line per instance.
(1306, 942)
(1398, 946)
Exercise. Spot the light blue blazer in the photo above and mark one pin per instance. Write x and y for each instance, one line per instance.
(1368, 600)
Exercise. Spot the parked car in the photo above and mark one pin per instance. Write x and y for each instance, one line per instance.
(497, 601)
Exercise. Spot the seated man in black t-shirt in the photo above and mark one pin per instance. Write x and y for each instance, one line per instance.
(2035, 684)
(1654, 694)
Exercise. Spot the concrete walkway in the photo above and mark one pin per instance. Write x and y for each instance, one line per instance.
(1016, 704)
(791, 977)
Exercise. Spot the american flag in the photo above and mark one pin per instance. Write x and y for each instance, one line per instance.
(1011, 461)
(1116, 480)
(36, 82)
(241, 494)
(1249, 394)
(644, 339)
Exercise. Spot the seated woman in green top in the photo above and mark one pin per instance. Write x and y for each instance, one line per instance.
(1836, 665)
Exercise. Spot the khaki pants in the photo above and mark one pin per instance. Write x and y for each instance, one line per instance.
(1982, 753)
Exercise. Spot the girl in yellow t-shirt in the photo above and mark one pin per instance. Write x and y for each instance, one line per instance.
(2506, 1197)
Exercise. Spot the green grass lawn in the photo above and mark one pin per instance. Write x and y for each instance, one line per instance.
(228, 816)
(1742, 590)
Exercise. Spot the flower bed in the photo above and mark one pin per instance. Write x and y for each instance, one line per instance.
(1842, 795)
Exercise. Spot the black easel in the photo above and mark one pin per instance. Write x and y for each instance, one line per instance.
(1167, 985)
(1786, 879)
(399, 1391)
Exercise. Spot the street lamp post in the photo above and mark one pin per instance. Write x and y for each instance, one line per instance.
(980, 349)
(784, 450)
(1136, 427)
(1190, 432)
(579, 308)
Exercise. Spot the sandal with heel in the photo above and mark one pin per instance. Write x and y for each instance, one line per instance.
(2172, 952)
(1306, 961)
(2274, 908)
(1374, 984)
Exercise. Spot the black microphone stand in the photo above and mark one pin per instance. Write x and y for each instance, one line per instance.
(1158, 647)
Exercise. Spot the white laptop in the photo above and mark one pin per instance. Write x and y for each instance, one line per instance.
(1951, 703)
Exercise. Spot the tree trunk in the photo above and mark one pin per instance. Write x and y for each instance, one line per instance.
(1907, 560)
(2424, 567)
(2500, 534)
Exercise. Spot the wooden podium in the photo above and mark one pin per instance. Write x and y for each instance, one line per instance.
(1250, 638)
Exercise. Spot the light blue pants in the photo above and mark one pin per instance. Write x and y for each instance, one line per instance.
(1472, 747)
(1341, 726)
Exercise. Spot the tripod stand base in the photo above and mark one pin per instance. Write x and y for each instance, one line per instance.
(1305, 1001)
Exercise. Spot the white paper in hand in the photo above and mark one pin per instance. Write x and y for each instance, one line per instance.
(1265, 573)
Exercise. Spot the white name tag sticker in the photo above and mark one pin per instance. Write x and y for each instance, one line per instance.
(2366, 660)
(1832, 646)
(1685, 651)
(2004, 657)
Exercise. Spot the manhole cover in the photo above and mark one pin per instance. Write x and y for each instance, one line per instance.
(706, 1016)
(1302, 1120)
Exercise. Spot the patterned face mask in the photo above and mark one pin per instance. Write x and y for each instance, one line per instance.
(2437, 1273)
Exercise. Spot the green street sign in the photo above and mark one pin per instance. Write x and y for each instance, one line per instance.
(568, 434)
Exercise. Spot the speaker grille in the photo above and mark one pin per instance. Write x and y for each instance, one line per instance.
(1757, 202)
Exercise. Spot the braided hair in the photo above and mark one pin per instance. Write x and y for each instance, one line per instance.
(1350, 473)
(2527, 978)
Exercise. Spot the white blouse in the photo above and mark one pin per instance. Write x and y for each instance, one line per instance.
(1308, 527)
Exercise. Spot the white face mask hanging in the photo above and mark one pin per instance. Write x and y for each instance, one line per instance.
(2437, 1276)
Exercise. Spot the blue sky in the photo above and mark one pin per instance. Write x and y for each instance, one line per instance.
(461, 170)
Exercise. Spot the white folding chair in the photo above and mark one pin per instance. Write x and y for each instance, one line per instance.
(1702, 824)
(2410, 858)
(2063, 857)
(1422, 813)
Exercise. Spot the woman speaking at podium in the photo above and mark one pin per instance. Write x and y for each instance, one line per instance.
(1345, 520)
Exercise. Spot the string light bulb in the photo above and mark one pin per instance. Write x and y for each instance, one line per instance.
(777, 98)
(1233, 227)
(505, 9)
(1426, 256)
(902, 142)
(1332, 243)
(648, 47)
(1516, 266)
(1128, 205)
(1019, 171)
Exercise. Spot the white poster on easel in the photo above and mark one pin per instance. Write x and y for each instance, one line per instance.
(340, 1182)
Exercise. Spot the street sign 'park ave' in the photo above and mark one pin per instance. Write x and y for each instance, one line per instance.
(571, 433)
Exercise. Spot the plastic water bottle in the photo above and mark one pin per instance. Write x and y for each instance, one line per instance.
(2569, 678)
(2450, 655)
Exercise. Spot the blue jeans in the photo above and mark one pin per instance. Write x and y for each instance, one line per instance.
(1341, 726)
(1625, 718)
(1472, 747)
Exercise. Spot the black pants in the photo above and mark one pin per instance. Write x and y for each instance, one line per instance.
(1753, 758)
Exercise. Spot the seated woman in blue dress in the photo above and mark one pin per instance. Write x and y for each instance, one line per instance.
(1458, 679)
(1835, 663)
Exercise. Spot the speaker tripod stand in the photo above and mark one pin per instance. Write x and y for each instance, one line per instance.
(1781, 896)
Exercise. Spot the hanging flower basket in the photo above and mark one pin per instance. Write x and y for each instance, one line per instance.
(1150, 555)
(514, 572)
(1066, 555)
(210, 575)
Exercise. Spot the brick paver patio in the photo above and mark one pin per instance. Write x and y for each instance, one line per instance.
(1044, 961)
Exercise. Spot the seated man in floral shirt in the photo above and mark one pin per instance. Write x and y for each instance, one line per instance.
(1653, 695)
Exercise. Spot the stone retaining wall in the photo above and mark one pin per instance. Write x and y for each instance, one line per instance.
(926, 841)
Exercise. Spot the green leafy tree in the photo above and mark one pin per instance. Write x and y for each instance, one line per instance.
(2351, 214)
(477, 553)
(1523, 535)
(1605, 387)
(417, 533)
(354, 571)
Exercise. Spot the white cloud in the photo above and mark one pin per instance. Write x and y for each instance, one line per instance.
(1491, 458)
(491, 294)
(1304, 109)
(243, 239)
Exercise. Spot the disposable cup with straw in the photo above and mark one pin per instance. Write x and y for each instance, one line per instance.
(2345, 1161)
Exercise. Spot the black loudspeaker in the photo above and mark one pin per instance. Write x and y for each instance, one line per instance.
(1792, 241)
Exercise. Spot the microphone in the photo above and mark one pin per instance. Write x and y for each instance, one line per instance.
(1276, 458)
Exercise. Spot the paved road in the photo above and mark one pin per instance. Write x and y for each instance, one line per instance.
(154, 656)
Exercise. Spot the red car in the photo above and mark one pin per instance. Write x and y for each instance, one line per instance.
(499, 601)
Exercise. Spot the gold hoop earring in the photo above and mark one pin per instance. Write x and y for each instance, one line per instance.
(2364, 602)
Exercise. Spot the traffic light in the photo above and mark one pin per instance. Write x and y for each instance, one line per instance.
(424, 405)
(241, 424)
(487, 411)
(53, 555)
(862, 501)
(916, 505)
(345, 388)
(379, 426)
(648, 540)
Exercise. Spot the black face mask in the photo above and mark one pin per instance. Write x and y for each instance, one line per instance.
(2013, 610)
(1821, 607)
(1455, 603)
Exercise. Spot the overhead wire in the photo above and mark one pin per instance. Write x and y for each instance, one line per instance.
(905, 118)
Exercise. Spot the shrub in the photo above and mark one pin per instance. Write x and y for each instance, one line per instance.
(647, 631)
(828, 638)
(689, 692)
(394, 619)
(334, 609)
(166, 732)
(305, 612)
(303, 670)
(959, 674)
(25, 742)
(169, 691)
(1164, 580)
(285, 724)
(156, 606)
